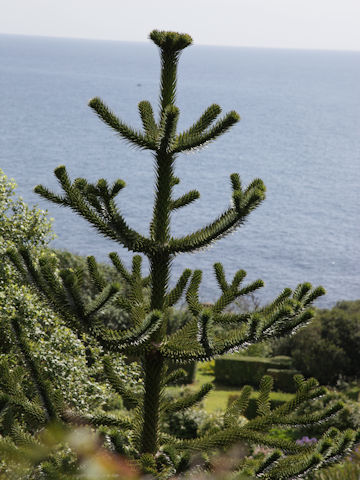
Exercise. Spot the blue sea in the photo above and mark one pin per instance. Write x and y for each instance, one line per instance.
(300, 133)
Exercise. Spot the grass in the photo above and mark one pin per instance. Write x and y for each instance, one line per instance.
(217, 399)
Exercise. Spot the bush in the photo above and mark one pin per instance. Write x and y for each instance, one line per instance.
(207, 368)
(59, 351)
(348, 417)
(283, 379)
(283, 361)
(328, 348)
(192, 422)
(236, 370)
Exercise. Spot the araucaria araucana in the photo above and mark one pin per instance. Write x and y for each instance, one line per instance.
(200, 339)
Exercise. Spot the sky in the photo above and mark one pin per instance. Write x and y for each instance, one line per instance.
(314, 24)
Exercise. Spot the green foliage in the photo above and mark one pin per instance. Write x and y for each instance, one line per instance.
(60, 453)
(276, 400)
(188, 368)
(348, 417)
(207, 368)
(344, 471)
(53, 345)
(193, 431)
(209, 331)
(238, 370)
(192, 423)
(283, 378)
(111, 315)
(352, 391)
(329, 347)
(177, 318)
(20, 224)
(347, 470)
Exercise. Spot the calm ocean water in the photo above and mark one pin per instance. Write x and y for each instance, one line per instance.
(300, 133)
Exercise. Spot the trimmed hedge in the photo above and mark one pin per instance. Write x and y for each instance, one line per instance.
(283, 361)
(283, 379)
(237, 370)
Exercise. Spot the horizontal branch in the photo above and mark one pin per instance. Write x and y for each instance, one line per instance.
(97, 420)
(120, 341)
(100, 211)
(230, 436)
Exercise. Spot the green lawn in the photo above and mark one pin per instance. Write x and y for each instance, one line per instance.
(217, 399)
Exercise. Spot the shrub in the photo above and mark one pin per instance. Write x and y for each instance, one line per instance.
(193, 423)
(283, 361)
(51, 342)
(207, 368)
(54, 345)
(283, 379)
(329, 347)
(237, 370)
(348, 417)
(353, 393)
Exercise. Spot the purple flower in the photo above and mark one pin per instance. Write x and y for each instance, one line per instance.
(306, 441)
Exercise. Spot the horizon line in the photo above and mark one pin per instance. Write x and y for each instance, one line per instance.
(60, 37)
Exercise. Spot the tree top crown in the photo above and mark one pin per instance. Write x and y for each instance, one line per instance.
(170, 41)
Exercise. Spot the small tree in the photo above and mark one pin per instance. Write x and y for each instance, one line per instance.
(156, 452)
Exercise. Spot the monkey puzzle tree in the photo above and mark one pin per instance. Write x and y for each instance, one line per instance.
(198, 340)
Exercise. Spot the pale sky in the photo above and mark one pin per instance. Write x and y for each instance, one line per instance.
(315, 24)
